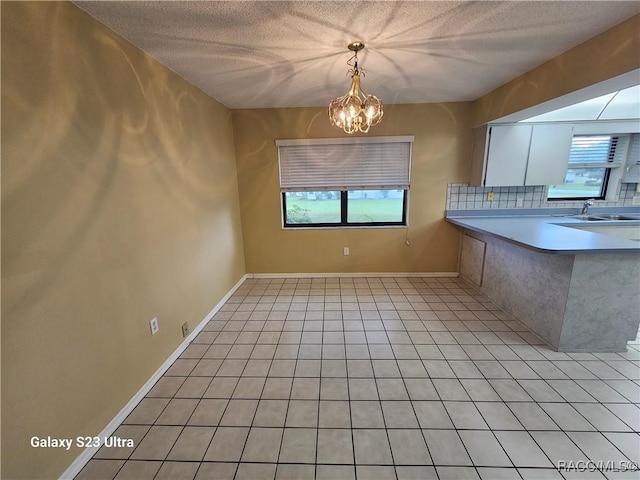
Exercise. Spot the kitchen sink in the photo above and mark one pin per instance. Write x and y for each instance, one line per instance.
(608, 216)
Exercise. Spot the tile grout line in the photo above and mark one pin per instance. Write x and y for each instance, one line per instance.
(390, 327)
(230, 319)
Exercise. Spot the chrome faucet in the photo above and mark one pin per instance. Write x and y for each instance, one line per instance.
(586, 205)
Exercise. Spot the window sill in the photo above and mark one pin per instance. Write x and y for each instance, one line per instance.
(345, 227)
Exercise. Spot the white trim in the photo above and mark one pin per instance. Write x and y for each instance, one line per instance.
(345, 141)
(316, 188)
(620, 82)
(357, 274)
(586, 127)
(82, 459)
(606, 127)
(595, 164)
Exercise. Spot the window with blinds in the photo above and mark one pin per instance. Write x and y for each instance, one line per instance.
(345, 182)
(591, 159)
(591, 151)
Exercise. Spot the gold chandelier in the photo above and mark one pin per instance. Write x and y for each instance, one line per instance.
(355, 111)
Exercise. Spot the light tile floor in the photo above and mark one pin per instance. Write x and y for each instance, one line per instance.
(378, 378)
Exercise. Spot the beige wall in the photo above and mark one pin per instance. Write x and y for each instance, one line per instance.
(612, 53)
(119, 203)
(440, 155)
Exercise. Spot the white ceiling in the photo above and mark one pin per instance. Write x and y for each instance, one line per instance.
(267, 54)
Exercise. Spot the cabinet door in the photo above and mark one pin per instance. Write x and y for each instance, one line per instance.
(549, 154)
(507, 156)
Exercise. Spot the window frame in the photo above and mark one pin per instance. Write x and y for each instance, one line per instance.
(617, 155)
(604, 189)
(344, 214)
(398, 181)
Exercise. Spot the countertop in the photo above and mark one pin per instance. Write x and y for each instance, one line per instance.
(548, 232)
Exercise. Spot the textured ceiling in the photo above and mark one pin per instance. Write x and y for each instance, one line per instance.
(289, 54)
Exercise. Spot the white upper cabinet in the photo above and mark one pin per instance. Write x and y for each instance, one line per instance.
(506, 163)
(521, 154)
(548, 154)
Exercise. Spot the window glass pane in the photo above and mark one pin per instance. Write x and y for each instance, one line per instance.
(312, 207)
(581, 183)
(367, 206)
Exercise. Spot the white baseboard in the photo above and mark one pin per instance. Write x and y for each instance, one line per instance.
(86, 455)
(359, 275)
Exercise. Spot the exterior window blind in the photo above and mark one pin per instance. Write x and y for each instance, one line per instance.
(345, 164)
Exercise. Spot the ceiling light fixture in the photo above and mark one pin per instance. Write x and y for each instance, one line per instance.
(355, 111)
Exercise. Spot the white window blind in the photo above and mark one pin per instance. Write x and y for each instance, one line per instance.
(345, 164)
(596, 151)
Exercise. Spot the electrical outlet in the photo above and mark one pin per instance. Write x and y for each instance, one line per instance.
(153, 323)
(519, 202)
(635, 201)
(490, 196)
(345, 251)
(185, 330)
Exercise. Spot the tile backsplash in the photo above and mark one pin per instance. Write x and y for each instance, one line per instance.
(460, 196)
